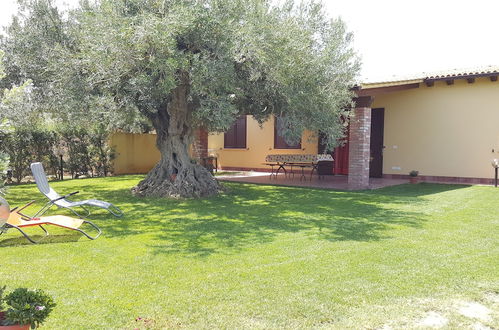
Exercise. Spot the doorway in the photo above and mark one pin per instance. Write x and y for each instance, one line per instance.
(376, 154)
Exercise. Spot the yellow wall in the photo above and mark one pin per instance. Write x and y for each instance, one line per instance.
(259, 143)
(444, 130)
(440, 131)
(135, 153)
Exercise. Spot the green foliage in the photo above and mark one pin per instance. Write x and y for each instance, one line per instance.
(414, 173)
(2, 294)
(86, 151)
(4, 163)
(2, 70)
(102, 153)
(26, 145)
(4, 128)
(119, 62)
(28, 307)
(76, 143)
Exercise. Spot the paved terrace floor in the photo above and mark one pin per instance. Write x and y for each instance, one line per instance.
(339, 182)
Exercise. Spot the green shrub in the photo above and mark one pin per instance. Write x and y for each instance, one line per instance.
(102, 153)
(27, 145)
(86, 152)
(4, 158)
(27, 307)
(76, 143)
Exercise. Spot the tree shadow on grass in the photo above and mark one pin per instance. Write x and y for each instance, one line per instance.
(51, 239)
(419, 190)
(254, 214)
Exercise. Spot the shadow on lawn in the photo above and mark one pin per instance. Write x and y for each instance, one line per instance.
(51, 239)
(253, 214)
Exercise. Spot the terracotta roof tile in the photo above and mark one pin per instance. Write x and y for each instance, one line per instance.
(420, 77)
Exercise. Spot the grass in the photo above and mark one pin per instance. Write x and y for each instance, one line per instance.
(267, 257)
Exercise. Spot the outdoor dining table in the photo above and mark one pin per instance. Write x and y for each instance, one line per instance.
(281, 161)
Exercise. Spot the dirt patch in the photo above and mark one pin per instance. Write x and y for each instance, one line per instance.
(433, 320)
(475, 310)
(479, 326)
(492, 297)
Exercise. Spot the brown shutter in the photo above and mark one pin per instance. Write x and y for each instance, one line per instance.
(241, 132)
(235, 137)
(230, 137)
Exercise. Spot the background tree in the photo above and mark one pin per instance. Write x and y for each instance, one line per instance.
(182, 64)
(4, 158)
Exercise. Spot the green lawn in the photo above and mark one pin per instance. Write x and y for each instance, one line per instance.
(269, 257)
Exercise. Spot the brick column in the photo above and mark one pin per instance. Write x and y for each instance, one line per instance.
(201, 142)
(360, 144)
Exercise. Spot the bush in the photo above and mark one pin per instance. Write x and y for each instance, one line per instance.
(86, 152)
(4, 160)
(76, 143)
(413, 173)
(26, 307)
(27, 145)
(102, 153)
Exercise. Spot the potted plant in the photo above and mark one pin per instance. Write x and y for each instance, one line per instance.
(413, 176)
(23, 308)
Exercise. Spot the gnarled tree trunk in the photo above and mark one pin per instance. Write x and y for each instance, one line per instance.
(175, 175)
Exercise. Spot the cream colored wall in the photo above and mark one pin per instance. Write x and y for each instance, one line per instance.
(135, 153)
(259, 143)
(444, 130)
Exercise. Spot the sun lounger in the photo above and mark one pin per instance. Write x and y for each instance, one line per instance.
(63, 201)
(17, 220)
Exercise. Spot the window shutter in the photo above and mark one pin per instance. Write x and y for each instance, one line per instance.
(235, 137)
(241, 133)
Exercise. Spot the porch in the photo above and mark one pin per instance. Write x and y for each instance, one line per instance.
(336, 182)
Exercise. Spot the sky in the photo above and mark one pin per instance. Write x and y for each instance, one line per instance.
(404, 38)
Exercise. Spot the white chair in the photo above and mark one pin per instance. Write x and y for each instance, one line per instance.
(63, 201)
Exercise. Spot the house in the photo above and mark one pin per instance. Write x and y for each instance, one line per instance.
(446, 126)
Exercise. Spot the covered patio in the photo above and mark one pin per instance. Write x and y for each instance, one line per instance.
(336, 182)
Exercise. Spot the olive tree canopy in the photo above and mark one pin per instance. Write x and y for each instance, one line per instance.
(181, 64)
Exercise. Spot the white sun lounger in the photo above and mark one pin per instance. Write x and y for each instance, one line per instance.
(63, 201)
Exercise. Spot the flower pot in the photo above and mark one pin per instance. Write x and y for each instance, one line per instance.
(12, 327)
(413, 179)
(15, 327)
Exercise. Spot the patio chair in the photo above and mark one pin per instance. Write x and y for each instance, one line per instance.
(17, 220)
(63, 201)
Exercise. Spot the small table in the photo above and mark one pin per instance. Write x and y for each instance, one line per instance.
(304, 165)
(279, 166)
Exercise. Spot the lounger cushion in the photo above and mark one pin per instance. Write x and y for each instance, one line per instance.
(91, 202)
(57, 220)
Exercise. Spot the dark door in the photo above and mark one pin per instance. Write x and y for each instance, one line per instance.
(340, 155)
(326, 168)
(377, 127)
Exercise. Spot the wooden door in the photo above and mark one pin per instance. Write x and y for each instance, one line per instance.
(377, 127)
(340, 155)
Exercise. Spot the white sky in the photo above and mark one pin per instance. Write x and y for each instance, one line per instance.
(401, 37)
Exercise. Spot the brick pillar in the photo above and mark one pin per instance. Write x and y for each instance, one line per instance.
(360, 144)
(201, 142)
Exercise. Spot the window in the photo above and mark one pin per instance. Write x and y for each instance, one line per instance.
(279, 142)
(235, 137)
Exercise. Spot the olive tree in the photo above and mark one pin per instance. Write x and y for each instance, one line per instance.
(184, 64)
